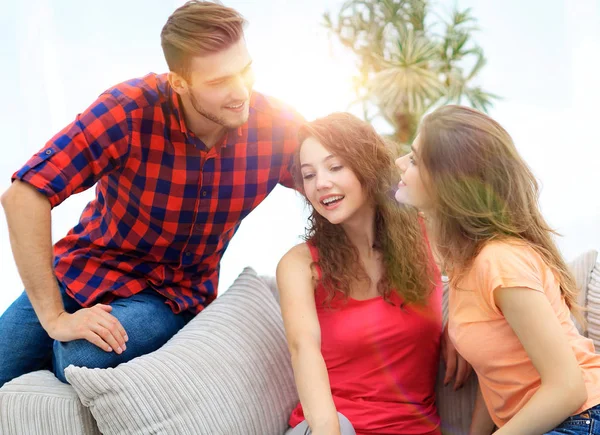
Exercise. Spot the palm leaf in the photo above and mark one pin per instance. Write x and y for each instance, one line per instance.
(404, 66)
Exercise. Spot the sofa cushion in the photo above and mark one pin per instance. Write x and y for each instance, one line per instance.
(227, 372)
(38, 403)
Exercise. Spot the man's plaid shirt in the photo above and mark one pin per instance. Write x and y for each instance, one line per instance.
(166, 207)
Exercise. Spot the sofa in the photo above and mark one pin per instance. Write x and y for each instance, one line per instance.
(227, 372)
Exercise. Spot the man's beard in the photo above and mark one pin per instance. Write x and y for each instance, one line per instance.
(212, 117)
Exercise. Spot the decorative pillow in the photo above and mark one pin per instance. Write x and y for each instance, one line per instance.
(227, 372)
(271, 282)
(38, 403)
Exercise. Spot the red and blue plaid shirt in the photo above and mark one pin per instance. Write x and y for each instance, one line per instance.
(166, 207)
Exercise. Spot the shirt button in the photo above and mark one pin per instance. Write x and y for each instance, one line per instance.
(48, 151)
(587, 422)
(188, 253)
(204, 193)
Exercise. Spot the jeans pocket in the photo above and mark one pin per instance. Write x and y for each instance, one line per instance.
(575, 425)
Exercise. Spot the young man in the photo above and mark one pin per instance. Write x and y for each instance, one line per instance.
(178, 161)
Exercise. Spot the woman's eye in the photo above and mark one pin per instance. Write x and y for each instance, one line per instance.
(336, 168)
(308, 176)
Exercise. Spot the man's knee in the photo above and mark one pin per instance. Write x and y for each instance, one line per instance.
(148, 322)
(82, 353)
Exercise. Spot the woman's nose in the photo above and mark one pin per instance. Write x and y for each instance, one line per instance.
(400, 163)
(323, 182)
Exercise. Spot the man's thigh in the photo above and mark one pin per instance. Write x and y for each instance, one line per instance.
(24, 345)
(148, 322)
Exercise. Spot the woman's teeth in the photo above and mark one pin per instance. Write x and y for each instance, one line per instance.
(332, 199)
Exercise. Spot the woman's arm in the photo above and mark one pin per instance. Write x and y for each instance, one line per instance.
(295, 283)
(481, 422)
(562, 391)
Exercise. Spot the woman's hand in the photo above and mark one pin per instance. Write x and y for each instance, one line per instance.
(456, 366)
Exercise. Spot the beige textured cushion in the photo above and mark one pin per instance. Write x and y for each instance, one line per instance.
(271, 282)
(38, 403)
(227, 372)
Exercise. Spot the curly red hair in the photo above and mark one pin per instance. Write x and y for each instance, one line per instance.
(398, 234)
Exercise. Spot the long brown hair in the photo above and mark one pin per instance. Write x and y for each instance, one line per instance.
(199, 28)
(482, 190)
(398, 235)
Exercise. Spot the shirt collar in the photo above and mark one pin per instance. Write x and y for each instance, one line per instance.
(231, 136)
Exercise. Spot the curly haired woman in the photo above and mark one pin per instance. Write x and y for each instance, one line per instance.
(361, 298)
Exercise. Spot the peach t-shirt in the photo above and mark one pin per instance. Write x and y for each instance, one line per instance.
(484, 338)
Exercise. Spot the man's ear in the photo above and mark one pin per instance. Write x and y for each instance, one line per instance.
(178, 83)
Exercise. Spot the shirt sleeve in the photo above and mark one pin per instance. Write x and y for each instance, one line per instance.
(503, 265)
(94, 144)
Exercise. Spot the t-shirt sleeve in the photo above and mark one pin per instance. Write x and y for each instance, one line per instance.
(503, 265)
(94, 144)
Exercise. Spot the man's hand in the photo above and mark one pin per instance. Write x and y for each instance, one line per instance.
(456, 366)
(93, 324)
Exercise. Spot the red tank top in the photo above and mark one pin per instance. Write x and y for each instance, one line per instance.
(382, 361)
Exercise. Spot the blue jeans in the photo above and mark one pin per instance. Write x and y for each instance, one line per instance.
(586, 423)
(26, 347)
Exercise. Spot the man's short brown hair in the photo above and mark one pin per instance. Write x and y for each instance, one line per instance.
(199, 28)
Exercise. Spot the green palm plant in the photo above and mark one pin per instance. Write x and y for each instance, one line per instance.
(406, 65)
